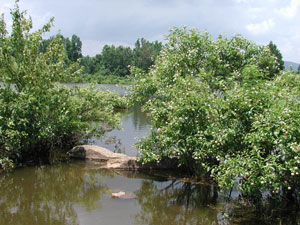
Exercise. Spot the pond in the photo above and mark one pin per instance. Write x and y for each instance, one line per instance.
(77, 192)
(134, 124)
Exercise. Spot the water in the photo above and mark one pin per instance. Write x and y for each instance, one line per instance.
(79, 193)
(134, 124)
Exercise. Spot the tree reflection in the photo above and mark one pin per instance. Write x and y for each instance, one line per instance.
(178, 203)
(140, 118)
(48, 195)
(54, 195)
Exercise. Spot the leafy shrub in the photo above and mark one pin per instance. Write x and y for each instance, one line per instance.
(218, 107)
(37, 115)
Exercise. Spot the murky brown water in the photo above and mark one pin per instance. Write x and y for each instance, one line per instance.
(79, 193)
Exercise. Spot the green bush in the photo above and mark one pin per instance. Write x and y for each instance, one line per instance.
(38, 115)
(218, 108)
(100, 78)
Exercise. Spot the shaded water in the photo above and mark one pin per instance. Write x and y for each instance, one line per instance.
(79, 193)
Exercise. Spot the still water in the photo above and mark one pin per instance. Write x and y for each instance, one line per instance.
(79, 193)
(134, 124)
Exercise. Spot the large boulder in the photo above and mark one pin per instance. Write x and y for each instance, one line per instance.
(105, 158)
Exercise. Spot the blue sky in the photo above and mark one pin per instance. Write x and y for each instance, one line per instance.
(122, 22)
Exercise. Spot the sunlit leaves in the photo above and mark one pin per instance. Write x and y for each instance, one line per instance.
(217, 107)
(38, 115)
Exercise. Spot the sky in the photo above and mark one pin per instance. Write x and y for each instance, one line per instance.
(122, 22)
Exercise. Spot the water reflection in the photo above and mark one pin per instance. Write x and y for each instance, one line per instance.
(80, 193)
(178, 203)
(47, 195)
(134, 124)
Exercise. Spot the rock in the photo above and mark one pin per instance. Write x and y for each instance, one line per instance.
(109, 159)
(123, 195)
(105, 158)
(118, 194)
(93, 152)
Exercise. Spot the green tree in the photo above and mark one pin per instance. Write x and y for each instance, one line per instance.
(74, 51)
(217, 107)
(145, 53)
(275, 51)
(116, 59)
(91, 64)
(72, 47)
(37, 114)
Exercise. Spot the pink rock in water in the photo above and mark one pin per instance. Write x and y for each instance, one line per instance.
(105, 158)
(118, 194)
(123, 195)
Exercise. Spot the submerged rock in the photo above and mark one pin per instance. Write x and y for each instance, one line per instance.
(105, 158)
(123, 195)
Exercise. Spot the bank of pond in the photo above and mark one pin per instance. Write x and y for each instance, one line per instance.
(78, 192)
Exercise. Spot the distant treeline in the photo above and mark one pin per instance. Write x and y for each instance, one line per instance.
(112, 65)
(113, 61)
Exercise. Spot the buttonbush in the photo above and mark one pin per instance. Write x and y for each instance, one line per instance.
(221, 108)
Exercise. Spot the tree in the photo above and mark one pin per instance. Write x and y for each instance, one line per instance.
(74, 53)
(37, 115)
(145, 53)
(72, 47)
(217, 107)
(275, 51)
(116, 59)
(299, 69)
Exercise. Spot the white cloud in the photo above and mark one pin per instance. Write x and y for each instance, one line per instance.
(291, 10)
(114, 22)
(288, 48)
(93, 47)
(261, 28)
(241, 1)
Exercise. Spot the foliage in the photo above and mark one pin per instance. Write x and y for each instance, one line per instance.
(113, 62)
(274, 50)
(116, 60)
(100, 78)
(145, 53)
(72, 47)
(37, 115)
(91, 64)
(217, 107)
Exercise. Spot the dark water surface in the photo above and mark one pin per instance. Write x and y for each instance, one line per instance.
(79, 193)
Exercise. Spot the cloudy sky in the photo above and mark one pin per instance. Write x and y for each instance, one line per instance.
(122, 22)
